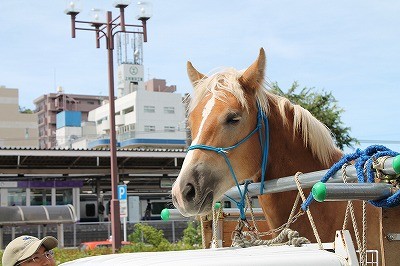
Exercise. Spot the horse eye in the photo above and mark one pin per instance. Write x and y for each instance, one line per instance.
(233, 119)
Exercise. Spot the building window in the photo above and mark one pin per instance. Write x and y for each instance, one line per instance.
(90, 102)
(101, 120)
(133, 86)
(128, 110)
(169, 110)
(126, 128)
(16, 197)
(149, 109)
(149, 128)
(169, 129)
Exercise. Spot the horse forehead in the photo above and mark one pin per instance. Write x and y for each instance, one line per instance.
(200, 115)
(212, 106)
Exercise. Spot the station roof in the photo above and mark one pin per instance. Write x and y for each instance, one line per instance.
(29, 161)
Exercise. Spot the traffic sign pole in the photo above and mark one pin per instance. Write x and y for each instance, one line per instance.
(123, 205)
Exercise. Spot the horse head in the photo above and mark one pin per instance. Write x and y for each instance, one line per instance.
(222, 120)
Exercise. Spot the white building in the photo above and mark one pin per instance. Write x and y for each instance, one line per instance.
(147, 114)
(143, 117)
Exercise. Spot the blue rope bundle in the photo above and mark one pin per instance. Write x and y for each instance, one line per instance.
(364, 158)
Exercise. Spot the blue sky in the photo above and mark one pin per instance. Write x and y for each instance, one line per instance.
(350, 48)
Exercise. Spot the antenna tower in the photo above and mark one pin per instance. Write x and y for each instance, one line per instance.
(129, 48)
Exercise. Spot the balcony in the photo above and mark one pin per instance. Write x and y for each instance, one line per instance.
(39, 110)
(51, 107)
(105, 125)
(119, 120)
(50, 120)
(126, 136)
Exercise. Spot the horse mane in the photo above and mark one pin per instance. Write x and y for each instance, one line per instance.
(315, 134)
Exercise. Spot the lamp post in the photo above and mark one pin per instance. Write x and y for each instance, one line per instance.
(108, 29)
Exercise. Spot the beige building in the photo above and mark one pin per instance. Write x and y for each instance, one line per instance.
(49, 105)
(16, 129)
(159, 85)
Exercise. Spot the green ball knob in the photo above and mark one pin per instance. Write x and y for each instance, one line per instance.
(217, 205)
(396, 164)
(319, 191)
(165, 214)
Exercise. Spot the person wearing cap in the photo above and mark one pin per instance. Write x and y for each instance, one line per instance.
(30, 251)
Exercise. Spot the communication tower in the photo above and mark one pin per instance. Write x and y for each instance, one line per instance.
(130, 63)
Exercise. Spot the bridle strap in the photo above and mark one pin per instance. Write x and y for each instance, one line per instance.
(265, 147)
(264, 142)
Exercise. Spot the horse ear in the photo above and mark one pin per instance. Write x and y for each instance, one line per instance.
(193, 74)
(253, 77)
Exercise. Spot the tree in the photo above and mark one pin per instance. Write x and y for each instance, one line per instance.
(192, 235)
(24, 110)
(148, 235)
(323, 106)
(146, 238)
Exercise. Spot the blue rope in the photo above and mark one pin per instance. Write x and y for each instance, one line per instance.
(241, 204)
(265, 147)
(364, 158)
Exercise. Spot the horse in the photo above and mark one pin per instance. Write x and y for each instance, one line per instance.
(223, 112)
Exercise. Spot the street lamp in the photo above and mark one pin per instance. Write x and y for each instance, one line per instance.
(107, 29)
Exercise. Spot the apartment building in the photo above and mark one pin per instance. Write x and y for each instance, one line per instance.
(159, 85)
(49, 105)
(16, 129)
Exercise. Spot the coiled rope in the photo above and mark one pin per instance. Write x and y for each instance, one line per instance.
(364, 160)
(292, 236)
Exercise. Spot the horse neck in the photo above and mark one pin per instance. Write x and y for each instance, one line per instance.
(288, 155)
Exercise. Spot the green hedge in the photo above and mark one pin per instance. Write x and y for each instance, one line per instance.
(145, 238)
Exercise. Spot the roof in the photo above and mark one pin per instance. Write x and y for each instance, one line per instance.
(37, 215)
(89, 161)
(78, 96)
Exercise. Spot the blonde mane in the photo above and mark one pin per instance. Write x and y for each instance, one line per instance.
(314, 134)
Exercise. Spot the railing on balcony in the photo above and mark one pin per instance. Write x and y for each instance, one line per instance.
(126, 136)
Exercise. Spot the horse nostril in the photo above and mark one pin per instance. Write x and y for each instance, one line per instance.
(189, 192)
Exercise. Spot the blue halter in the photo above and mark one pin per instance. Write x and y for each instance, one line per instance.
(264, 142)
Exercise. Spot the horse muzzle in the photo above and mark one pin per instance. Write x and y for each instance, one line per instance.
(192, 195)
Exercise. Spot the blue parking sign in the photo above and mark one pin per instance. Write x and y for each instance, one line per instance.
(122, 192)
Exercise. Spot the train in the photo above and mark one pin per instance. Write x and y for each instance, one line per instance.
(89, 204)
(89, 207)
